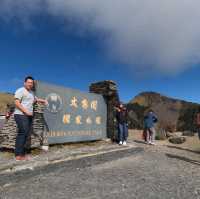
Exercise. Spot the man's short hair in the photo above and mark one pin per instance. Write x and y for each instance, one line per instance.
(151, 111)
(27, 78)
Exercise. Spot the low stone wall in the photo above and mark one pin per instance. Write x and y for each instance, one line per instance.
(38, 137)
(8, 133)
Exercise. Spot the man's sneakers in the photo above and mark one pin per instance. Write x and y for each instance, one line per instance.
(150, 143)
(146, 142)
(20, 158)
(28, 157)
(23, 158)
(123, 143)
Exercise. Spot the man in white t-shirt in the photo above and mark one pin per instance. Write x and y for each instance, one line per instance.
(24, 100)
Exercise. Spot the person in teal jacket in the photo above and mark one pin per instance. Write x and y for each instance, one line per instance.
(149, 125)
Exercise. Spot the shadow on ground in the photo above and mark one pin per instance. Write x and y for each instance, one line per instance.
(140, 141)
(183, 159)
(184, 149)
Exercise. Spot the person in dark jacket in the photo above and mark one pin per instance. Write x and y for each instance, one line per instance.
(122, 119)
(198, 122)
(149, 125)
(144, 135)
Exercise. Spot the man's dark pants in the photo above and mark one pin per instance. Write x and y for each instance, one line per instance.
(123, 131)
(24, 124)
(199, 132)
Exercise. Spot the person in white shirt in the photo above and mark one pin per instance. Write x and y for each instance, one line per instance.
(23, 114)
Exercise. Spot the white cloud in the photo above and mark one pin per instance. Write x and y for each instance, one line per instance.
(147, 35)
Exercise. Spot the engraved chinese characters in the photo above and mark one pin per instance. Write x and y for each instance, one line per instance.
(84, 104)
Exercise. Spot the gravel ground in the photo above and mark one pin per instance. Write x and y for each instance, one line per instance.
(157, 172)
(56, 152)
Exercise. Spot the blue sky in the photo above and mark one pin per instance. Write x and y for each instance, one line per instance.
(65, 57)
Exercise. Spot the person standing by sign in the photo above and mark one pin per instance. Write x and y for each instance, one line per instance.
(23, 114)
(144, 134)
(122, 119)
(198, 122)
(149, 122)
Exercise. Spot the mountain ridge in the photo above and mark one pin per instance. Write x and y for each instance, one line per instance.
(172, 113)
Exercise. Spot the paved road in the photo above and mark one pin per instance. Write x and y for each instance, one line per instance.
(133, 173)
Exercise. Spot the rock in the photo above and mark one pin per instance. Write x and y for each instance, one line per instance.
(109, 91)
(8, 133)
(177, 134)
(169, 134)
(38, 136)
(177, 140)
(188, 133)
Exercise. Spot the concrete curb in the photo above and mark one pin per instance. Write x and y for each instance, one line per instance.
(32, 164)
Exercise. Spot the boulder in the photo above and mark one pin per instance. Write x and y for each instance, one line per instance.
(177, 134)
(169, 134)
(177, 140)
